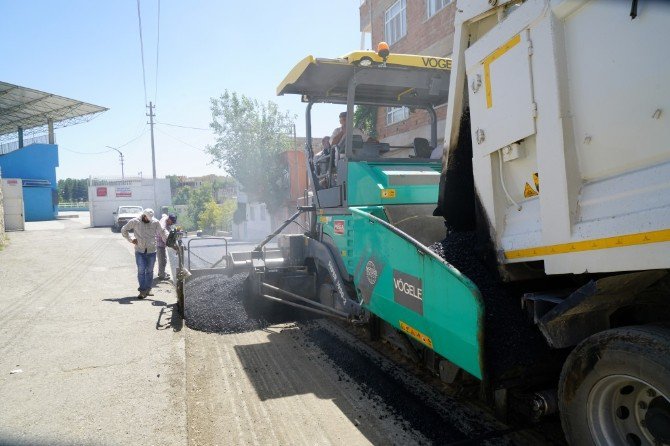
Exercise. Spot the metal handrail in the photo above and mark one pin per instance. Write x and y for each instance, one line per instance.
(188, 248)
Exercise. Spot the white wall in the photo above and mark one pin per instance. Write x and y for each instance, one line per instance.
(141, 194)
(258, 223)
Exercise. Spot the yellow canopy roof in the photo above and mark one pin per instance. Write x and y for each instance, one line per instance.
(405, 79)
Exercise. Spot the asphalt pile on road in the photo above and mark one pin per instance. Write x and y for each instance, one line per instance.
(511, 343)
(213, 304)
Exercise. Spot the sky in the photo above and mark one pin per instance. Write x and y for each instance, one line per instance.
(89, 50)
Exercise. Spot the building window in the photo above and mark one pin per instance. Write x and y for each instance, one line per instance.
(434, 6)
(395, 21)
(396, 114)
(252, 212)
(262, 206)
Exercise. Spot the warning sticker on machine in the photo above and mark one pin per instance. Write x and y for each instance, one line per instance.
(338, 226)
(416, 334)
(528, 191)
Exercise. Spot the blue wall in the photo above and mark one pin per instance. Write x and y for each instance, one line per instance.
(35, 162)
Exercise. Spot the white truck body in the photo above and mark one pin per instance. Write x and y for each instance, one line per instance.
(576, 92)
(106, 196)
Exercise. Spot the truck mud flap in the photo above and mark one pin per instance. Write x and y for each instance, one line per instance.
(406, 284)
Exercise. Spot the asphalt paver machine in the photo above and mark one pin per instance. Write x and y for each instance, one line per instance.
(365, 256)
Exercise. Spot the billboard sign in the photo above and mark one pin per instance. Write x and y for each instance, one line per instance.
(124, 191)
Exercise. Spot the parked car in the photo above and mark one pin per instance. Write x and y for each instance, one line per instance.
(123, 214)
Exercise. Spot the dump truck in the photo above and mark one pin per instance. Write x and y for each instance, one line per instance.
(533, 257)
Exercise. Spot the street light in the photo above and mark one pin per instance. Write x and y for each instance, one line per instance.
(120, 157)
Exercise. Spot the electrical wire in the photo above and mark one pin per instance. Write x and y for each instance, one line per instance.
(179, 140)
(144, 77)
(158, 41)
(502, 181)
(144, 130)
(183, 126)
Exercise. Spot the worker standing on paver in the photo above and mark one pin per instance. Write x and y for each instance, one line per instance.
(145, 230)
(166, 222)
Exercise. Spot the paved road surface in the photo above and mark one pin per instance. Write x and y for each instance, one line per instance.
(81, 360)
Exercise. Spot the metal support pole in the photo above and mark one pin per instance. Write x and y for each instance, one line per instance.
(351, 94)
(153, 153)
(433, 126)
(20, 129)
(50, 124)
(120, 158)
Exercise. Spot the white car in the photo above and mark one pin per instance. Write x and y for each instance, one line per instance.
(123, 214)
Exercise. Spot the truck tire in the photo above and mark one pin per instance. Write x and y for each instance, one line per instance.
(614, 388)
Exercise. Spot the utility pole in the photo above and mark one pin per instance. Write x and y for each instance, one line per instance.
(153, 154)
(120, 158)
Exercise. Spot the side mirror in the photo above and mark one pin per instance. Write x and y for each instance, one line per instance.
(114, 213)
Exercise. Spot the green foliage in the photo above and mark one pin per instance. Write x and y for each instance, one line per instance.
(211, 217)
(185, 222)
(198, 201)
(365, 118)
(183, 195)
(229, 207)
(250, 137)
(175, 182)
(71, 189)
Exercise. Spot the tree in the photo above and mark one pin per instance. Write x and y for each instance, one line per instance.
(198, 201)
(71, 189)
(365, 118)
(211, 217)
(250, 138)
(229, 207)
(183, 195)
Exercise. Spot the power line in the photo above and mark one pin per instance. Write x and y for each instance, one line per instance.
(183, 126)
(183, 142)
(158, 41)
(144, 77)
(144, 130)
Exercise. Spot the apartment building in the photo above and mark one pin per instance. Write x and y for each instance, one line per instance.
(423, 27)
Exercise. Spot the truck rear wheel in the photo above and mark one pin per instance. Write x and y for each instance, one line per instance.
(615, 388)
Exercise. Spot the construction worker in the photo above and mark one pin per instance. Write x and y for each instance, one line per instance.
(145, 230)
(337, 138)
(166, 222)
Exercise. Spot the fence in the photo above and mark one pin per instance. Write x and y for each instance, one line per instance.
(14, 145)
(73, 206)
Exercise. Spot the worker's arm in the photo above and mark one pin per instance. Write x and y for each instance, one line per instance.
(162, 232)
(337, 136)
(125, 231)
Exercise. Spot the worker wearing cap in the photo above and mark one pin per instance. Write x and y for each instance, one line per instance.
(166, 222)
(145, 230)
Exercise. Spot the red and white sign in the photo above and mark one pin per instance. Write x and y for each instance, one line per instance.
(101, 192)
(338, 226)
(13, 182)
(124, 191)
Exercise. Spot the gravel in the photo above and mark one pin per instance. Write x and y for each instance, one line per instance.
(213, 304)
(511, 343)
